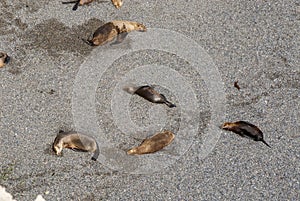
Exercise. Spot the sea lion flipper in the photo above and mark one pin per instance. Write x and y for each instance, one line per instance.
(78, 150)
(96, 153)
(76, 5)
(169, 104)
(90, 43)
(69, 2)
(120, 38)
(265, 143)
(95, 156)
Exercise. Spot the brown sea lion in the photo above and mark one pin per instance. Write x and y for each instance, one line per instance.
(245, 129)
(110, 30)
(4, 59)
(148, 93)
(153, 144)
(117, 3)
(75, 141)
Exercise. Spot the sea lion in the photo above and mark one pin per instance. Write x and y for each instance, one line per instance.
(75, 141)
(245, 129)
(110, 30)
(78, 3)
(153, 144)
(117, 3)
(148, 93)
(4, 59)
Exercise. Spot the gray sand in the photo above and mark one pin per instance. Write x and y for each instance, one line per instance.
(56, 81)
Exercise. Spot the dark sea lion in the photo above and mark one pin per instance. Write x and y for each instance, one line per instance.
(75, 141)
(148, 93)
(110, 30)
(4, 59)
(153, 144)
(245, 129)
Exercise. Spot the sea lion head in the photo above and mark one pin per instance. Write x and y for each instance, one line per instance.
(4, 59)
(227, 126)
(57, 149)
(140, 27)
(57, 145)
(117, 3)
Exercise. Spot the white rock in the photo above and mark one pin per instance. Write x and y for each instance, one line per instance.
(5, 196)
(39, 198)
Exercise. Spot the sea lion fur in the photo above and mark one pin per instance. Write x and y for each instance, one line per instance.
(153, 144)
(75, 141)
(245, 129)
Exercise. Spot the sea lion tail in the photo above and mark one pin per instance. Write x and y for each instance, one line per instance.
(169, 104)
(96, 153)
(265, 143)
